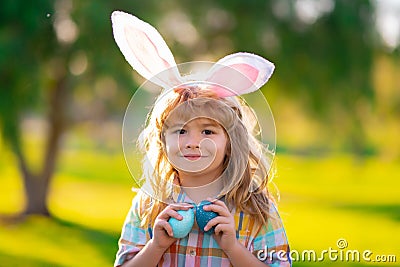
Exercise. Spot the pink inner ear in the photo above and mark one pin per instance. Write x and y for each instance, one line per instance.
(233, 83)
(145, 51)
(249, 71)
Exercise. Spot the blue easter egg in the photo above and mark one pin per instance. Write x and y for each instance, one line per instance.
(203, 217)
(182, 228)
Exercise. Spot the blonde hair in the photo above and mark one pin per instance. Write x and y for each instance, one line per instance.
(246, 165)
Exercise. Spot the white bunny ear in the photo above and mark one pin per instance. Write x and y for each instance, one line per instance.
(145, 49)
(240, 73)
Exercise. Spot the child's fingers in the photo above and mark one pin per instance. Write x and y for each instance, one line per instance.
(217, 202)
(169, 213)
(218, 207)
(221, 228)
(166, 226)
(216, 221)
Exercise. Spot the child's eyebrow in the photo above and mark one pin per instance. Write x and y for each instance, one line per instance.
(180, 125)
(202, 124)
(210, 125)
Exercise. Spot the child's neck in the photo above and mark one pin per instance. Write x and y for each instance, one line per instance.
(199, 192)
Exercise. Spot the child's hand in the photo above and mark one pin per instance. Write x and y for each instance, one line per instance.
(225, 232)
(162, 230)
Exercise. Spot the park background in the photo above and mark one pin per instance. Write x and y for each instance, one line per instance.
(64, 186)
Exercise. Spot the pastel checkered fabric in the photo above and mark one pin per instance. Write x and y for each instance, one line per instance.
(200, 249)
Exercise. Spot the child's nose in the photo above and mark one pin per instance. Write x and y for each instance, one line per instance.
(193, 141)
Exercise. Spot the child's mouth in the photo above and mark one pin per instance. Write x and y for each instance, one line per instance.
(192, 157)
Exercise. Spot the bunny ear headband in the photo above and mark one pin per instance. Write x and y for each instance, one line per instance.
(147, 53)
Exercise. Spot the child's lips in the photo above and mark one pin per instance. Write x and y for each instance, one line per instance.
(192, 156)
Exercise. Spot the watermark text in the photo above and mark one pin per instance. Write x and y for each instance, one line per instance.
(339, 253)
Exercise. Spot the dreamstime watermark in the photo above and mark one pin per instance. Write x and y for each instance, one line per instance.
(340, 253)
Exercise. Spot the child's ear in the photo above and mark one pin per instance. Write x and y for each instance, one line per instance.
(240, 73)
(145, 49)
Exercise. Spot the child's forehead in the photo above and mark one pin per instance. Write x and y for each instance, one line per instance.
(198, 121)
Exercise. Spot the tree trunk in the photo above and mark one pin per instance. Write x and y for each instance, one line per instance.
(37, 186)
(36, 195)
(35, 189)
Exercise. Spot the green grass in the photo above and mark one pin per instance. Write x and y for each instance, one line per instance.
(323, 199)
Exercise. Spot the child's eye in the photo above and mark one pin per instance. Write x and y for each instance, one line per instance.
(181, 131)
(207, 132)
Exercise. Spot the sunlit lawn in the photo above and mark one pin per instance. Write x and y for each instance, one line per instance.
(323, 199)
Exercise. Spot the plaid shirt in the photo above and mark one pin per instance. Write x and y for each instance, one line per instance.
(200, 249)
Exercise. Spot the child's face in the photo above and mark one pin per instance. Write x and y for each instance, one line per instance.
(197, 146)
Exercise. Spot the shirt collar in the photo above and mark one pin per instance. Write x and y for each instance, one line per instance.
(177, 193)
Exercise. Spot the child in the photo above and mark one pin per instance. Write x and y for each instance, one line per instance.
(199, 144)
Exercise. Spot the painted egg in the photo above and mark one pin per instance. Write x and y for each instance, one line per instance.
(203, 216)
(182, 228)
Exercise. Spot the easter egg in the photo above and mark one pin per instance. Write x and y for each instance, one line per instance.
(182, 228)
(203, 216)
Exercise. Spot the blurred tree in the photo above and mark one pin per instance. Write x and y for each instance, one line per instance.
(49, 50)
(27, 42)
(54, 51)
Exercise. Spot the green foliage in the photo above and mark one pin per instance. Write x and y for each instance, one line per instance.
(333, 57)
(26, 38)
(322, 62)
